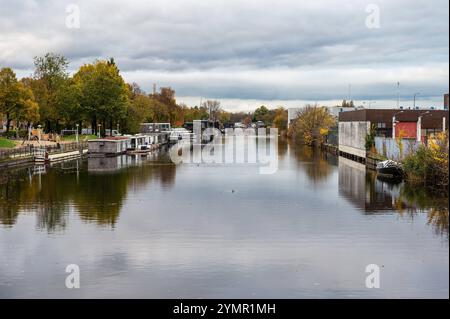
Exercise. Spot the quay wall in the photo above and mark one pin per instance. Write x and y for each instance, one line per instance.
(352, 138)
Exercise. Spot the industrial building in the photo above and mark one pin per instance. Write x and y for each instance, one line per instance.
(355, 125)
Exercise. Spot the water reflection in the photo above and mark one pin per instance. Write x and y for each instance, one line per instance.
(372, 195)
(143, 227)
(95, 188)
(318, 165)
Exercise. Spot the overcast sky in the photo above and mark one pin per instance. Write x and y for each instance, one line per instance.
(245, 53)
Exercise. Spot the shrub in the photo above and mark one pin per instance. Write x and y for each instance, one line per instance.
(418, 165)
(429, 163)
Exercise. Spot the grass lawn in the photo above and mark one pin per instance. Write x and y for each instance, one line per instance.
(81, 137)
(5, 143)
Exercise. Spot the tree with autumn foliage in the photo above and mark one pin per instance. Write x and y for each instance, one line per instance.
(312, 125)
(429, 164)
(280, 119)
(17, 100)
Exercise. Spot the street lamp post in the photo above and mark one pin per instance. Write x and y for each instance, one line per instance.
(76, 133)
(99, 130)
(394, 123)
(39, 132)
(118, 129)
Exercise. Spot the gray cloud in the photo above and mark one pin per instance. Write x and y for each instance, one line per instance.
(283, 50)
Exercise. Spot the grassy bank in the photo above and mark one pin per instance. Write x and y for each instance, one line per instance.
(5, 143)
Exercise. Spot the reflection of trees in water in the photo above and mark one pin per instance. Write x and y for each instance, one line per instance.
(313, 161)
(97, 197)
(380, 196)
(411, 200)
(438, 218)
(282, 146)
(10, 181)
(425, 200)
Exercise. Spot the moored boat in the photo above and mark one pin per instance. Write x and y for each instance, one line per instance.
(390, 169)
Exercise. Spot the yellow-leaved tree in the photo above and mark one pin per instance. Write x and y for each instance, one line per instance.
(312, 124)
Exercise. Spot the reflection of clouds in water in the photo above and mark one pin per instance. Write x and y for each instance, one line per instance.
(274, 236)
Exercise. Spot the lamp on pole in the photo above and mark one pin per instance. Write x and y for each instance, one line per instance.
(414, 104)
(419, 125)
(98, 131)
(118, 128)
(39, 132)
(394, 121)
(76, 133)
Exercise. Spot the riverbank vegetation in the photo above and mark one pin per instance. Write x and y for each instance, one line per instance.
(97, 96)
(312, 125)
(429, 164)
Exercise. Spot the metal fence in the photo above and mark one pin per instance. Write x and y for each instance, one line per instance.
(396, 149)
(28, 151)
(66, 147)
(16, 153)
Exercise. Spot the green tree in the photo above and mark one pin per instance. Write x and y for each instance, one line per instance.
(68, 108)
(139, 110)
(261, 114)
(224, 117)
(28, 109)
(280, 119)
(50, 73)
(9, 95)
(195, 113)
(103, 93)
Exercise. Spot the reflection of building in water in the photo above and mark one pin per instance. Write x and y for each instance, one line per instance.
(361, 187)
(114, 163)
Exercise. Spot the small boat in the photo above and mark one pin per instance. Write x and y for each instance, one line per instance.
(390, 169)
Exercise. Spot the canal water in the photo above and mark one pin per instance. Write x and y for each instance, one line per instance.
(144, 227)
